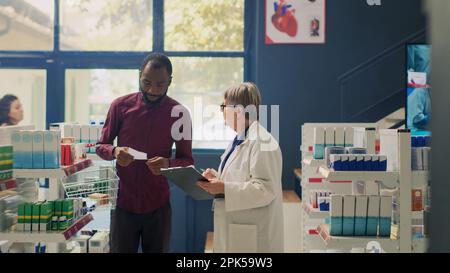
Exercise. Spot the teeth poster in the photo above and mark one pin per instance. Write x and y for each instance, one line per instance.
(295, 21)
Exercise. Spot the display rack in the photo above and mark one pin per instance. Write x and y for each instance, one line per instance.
(316, 176)
(48, 237)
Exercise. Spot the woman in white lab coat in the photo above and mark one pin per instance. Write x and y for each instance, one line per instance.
(248, 213)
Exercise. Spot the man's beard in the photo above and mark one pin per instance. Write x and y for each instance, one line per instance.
(153, 102)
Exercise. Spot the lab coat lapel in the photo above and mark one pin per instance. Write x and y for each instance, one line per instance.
(251, 132)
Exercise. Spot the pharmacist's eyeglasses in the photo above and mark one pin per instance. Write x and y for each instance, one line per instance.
(222, 106)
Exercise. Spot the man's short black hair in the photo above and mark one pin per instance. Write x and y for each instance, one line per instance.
(157, 60)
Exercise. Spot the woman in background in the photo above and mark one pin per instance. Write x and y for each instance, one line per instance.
(11, 112)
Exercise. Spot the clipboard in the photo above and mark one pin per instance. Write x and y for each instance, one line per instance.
(186, 179)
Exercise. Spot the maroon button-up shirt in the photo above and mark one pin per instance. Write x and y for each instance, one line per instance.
(147, 129)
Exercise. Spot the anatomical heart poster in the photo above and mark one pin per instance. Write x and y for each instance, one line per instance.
(295, 21)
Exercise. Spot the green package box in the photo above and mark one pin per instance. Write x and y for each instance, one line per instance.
(6, 152)
(57, 207)
(35, 214)
(6, 174)
(21, 217)
(28, 213)
(45, 219)
(67, 210)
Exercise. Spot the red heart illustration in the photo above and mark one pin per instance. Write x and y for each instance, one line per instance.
(284, 20)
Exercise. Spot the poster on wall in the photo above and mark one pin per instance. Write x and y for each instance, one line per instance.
(295, 21)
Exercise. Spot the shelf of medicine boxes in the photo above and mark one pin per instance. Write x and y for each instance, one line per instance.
(47, 237)
(348, 242)
(62, 172)
(390, 179)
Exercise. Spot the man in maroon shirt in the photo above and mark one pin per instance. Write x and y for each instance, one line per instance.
(143, 121)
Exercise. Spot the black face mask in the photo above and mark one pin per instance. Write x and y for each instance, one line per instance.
(149, 102)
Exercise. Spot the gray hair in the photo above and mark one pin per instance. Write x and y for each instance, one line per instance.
(246, 94)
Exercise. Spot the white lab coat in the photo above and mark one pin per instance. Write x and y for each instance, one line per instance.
(250, 218)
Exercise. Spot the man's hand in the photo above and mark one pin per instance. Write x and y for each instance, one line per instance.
(214, 186)
(123, 157)
(155, 164)
(209, 174)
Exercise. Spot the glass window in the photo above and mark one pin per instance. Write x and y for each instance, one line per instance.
(29, 85)
(199, 84)
(89, 92)
(206, 25)
(26, 25)
(113, 25)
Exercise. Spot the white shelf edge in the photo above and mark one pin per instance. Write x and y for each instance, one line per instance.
(332, 175)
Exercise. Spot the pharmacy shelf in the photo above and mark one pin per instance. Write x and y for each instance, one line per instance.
(314, 213)
(321, 184)
(47, 237)
(349, 242)
(387, 177)
(311, 162)
(420, 178)
(60, 173)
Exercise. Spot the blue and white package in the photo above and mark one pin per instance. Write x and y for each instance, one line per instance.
(335, 162)
(416, 159)
(359, 162)
(375, 163)
(334, 150)
(344, 162)
(383, 163)
(324, 203)
(351, 162)
(367, 163)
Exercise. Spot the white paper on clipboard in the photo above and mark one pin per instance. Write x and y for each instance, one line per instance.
(137, 154)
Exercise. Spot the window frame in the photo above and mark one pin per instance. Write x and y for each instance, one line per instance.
(56, 62)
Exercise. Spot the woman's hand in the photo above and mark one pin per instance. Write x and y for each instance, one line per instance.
(214, 186)
(209, 174)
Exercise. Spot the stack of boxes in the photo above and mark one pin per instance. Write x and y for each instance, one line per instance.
(6, 162)
(360, 215)
(329, 137)
(48, 215)
(36, 149)
(420, 153)
(358, 162)
(86, 134)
